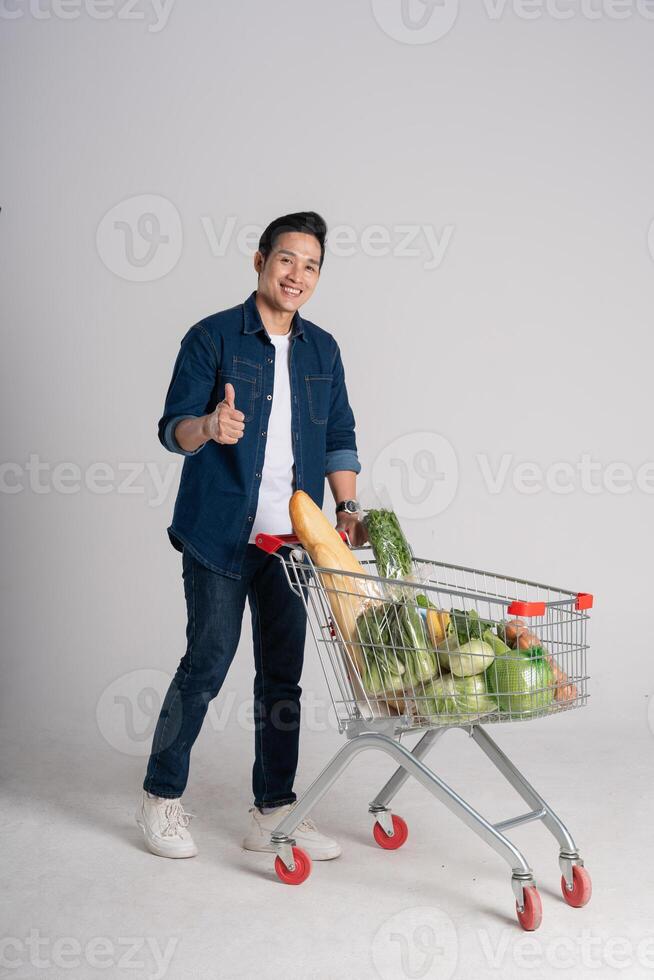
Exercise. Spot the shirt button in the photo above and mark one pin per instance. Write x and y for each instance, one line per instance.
(269, 398)
(270, 360)
(258, 476)
(250, 519)
(263, 433)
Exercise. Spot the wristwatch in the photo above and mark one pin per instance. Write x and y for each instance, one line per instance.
(349, 507)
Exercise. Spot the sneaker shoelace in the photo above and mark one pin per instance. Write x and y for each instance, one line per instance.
(176, 817)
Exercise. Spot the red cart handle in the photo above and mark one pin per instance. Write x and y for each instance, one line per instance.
(583, 600)
(518, 608)
(273, 542)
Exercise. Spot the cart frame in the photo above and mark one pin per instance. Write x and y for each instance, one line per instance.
(383, 734)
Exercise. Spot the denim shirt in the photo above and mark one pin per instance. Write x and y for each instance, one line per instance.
(219, 487)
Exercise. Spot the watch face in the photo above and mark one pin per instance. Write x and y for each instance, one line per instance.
(351, 506)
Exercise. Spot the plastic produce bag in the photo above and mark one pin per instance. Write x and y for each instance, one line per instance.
(393, 555)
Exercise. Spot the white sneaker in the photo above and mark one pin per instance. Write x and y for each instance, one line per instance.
(164, 824)
(307, 836)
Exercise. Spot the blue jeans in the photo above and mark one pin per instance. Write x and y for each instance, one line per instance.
(215, 605)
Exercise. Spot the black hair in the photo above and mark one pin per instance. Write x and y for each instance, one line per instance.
(306, 222)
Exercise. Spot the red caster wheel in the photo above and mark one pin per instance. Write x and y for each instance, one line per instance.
(532, 914)
(302, 868)
(582, 887)
(391, 843)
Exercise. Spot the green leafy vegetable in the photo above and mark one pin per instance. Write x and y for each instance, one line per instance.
(468, 625)
(391, 549)
(393, 641)
(458, 698)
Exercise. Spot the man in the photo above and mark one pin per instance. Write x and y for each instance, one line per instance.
(258, 406)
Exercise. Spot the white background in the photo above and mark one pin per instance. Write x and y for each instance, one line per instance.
(529, 139)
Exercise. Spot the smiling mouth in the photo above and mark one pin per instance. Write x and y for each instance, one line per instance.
(290, 290)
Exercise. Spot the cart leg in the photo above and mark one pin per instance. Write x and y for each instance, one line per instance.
(400, 776)
(522, 875)
(568, 855)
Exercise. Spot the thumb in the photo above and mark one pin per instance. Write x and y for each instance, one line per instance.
(230, 395)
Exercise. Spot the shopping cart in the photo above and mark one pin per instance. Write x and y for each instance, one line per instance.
(380, 691)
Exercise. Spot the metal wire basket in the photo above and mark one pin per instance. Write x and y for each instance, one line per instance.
(429, 651)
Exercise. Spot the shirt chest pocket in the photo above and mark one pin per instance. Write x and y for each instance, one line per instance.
(245, 376)
(319, 390)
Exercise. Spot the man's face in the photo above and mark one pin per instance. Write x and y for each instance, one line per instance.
(290, 273)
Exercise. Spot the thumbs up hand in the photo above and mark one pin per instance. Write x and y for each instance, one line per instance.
(226, 424)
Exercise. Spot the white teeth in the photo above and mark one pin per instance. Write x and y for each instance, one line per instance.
(293, 292)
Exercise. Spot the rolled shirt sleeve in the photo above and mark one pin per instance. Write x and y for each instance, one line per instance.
(192, 389)
(341, 447)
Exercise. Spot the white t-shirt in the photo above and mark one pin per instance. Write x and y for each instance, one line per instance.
(277, 474)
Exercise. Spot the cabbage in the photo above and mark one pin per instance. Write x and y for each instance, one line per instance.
(521, 684)
(420, 666)
(378, 678)
(465, 659)
(457, 697)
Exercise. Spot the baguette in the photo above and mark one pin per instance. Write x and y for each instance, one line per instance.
(348, 596)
